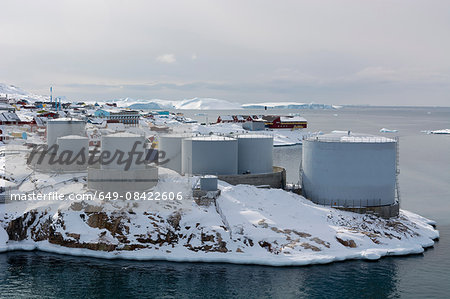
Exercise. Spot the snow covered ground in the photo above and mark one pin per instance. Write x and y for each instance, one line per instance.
(246, 225)
(281, 137)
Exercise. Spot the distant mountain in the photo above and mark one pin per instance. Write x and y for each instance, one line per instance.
(11, 90)
(188, 104)
(206, 104)
(17, 92)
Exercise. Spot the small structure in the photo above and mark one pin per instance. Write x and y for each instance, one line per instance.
(208, 183)
(208, 191)
(254, 125)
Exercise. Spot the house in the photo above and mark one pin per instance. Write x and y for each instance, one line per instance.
(127, 117)
(284, 122)
(9, 118)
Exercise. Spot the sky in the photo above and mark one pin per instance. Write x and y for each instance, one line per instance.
(337, 52)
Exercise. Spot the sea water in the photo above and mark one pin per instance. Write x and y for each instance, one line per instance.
(424, 187)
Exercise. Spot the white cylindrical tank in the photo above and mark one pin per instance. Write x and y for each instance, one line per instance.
(352, 170)
(63, 127)
(121, 144)
(255, 153)
(74, 144)
(169, 147)
(215, 155)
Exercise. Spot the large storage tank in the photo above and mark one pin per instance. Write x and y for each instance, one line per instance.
(62, 127)
(255, 153)
(74, 144)
(209, 155)
(124, 143)
(352, 170)
(170, 148)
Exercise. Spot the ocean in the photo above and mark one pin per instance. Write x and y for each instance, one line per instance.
(424, 188)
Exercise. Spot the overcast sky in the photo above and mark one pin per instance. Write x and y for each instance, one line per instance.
(340, 52)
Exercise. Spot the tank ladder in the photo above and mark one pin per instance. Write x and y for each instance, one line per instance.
(397, 169)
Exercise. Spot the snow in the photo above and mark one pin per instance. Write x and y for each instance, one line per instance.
(438, 132)
(72, 137)
(384, 130)
(282, 137)
(187, 104)
(347, 136)
(206, 104)
(17, 92)
(289, 105)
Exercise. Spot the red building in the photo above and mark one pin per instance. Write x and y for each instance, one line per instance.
(285, 122)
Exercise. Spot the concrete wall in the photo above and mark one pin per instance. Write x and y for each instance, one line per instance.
(275, 179)
(357, 174)
(383, 211)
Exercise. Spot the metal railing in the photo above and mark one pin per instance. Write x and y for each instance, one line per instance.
(350, 139)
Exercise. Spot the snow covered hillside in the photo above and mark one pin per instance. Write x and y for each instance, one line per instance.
(17, 92)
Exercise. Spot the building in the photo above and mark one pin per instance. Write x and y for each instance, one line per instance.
(285, 122)
(127, 117)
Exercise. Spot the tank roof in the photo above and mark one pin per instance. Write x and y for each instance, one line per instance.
(348, 136)
(122, 134)
(65, 119)
(73, 137)
(211, 138)
(177, 135)
(255, 136)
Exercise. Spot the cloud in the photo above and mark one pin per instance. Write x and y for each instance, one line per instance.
(194, 56)
(166, 58)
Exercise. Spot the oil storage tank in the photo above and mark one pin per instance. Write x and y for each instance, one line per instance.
(169, 147)
(255, 153)
(216, 155)
(123, 167)
(63, 127)
(73, 143)
(119, 143)
(349, 170)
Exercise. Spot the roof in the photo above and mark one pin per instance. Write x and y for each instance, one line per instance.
(255, 136)
(9, 116)
(211, 138)
(270, 118)
(73, 137)
(348, 136)
(123, 134)
(65, 119)
(292, 119)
